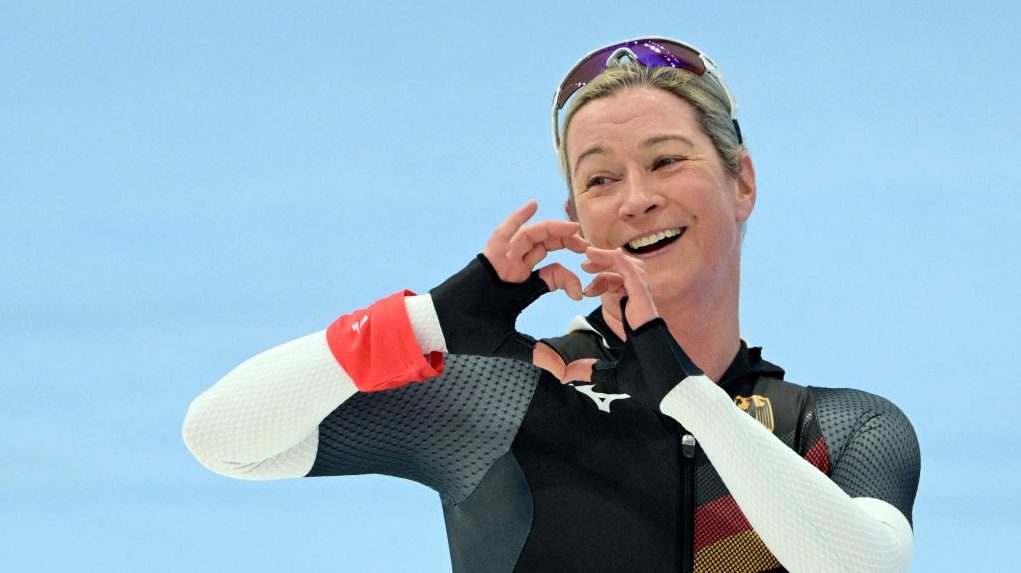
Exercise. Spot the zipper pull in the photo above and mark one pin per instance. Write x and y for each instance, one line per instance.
(688, 444)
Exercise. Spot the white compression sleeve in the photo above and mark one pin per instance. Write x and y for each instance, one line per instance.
(261, 420)
(805, 519)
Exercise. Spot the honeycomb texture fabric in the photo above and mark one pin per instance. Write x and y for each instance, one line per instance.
(868, 449)
(808, 522)
(425, 323)
(519, 460)
(444, 433)
(261, 420)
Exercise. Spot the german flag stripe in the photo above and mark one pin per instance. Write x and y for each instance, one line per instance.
(741, 553)
(819, 456)
(718, 519)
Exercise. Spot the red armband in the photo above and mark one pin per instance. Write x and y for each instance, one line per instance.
(377, 347)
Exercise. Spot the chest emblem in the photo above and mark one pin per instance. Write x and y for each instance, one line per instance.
(602, 400)
(758, 407)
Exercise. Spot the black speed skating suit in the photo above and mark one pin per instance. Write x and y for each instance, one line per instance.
(539, 476)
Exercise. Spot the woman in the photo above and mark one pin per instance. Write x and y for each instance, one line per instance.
(670, 445)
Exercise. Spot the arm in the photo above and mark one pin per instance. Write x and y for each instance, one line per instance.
(261, 420)
(807, 520)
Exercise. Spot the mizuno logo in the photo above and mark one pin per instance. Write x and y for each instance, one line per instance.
(357, 326)
(602, 400)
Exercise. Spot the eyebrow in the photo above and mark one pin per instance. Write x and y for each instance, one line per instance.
(656, 139)
(590, 151)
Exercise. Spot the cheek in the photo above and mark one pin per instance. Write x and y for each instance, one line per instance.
(722, 205)
(595, 225)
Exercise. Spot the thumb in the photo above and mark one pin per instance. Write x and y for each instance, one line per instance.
(579, 371)
(556, 276)
(604, 375)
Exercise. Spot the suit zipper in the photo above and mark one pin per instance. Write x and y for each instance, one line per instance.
(688, 448)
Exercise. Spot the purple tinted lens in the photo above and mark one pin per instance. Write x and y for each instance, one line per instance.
(651, 53)
(583, 73)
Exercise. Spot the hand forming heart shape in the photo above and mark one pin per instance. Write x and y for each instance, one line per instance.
(515, 249)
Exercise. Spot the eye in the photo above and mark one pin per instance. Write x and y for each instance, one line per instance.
(596, 181)
(666, 161)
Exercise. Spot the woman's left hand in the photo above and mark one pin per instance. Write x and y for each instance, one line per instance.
(619, 275)
(651, 362)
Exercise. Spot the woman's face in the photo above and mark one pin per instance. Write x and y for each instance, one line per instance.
(647, 179)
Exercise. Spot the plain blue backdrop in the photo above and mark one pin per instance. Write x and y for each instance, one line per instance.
(183, 185)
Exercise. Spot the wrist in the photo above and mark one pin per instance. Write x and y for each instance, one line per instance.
(663, 362)
(477, 311)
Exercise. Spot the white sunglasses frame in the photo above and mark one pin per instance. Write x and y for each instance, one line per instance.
(615, 59)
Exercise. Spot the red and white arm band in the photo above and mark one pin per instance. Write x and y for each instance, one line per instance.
(377, 347)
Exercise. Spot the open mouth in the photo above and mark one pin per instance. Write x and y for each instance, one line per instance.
(654, 242)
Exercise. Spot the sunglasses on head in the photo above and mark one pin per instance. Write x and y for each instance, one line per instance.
(649, 52)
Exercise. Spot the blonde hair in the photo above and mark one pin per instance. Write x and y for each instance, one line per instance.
(702, 92)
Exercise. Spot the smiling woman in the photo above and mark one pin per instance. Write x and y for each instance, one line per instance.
(645, 177)
(651, 437)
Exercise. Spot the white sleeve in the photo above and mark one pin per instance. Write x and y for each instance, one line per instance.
(261, 420)
(805, 519)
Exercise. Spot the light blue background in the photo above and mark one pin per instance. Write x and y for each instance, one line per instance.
(183, 185)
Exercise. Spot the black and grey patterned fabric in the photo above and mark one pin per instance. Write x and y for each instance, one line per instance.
(872, 446)
(445, 432)
(520, 460)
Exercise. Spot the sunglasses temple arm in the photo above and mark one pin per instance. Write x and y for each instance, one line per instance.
(556, 126)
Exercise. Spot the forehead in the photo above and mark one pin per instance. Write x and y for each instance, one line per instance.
(631, 116)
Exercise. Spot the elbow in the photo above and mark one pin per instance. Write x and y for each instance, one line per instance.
(230, 452)
(210, 443)
(204, 442)
(875, 539)
(894, 543)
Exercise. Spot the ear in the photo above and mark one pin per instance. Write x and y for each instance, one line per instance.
(572, 215)
(746, 191)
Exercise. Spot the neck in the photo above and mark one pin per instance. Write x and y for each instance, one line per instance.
(707, 329)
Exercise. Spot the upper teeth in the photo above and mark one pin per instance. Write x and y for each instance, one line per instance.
(653, 238)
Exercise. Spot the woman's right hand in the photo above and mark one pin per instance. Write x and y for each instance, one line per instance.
(515, 249)
(478, 307)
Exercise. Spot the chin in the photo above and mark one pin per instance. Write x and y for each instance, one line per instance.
(668, 287)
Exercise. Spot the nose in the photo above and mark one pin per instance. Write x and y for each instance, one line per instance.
(639, 198)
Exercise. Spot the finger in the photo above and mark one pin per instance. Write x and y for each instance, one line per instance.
(604, 283)
(601, 254)
(640, 307)
(579, 371)
(632, 269)
(613, 257)
(572, 242)
(505, 230)
(558, 277)
(553, 235)
(547, 230)
(521, 244)
(576, 243)
(593, 268)
(617, 263)
(546, 358)
(534, 256)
